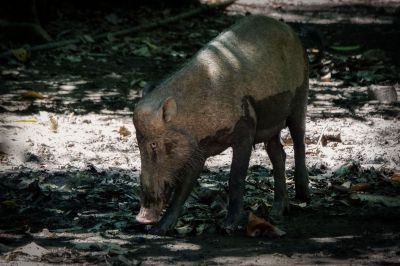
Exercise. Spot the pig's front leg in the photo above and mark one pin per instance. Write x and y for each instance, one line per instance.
(183, 187)
(240, 164)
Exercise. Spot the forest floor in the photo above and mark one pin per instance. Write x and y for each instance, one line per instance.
(70, 163)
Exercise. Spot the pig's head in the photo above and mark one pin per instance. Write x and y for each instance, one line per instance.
(164, 149)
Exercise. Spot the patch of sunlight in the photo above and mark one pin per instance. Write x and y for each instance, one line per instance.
(365, 20)
(7, 97)
(66, 88)
(96, 96)
(97, 239)
(324, 240)
(78, 82)
(179, 246)
(316, 17)
(333, 83)
(55, 82)
(226, 51)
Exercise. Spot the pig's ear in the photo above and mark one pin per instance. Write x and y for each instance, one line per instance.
(169, 109)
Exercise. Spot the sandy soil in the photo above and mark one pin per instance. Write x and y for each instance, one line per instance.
(94, 139)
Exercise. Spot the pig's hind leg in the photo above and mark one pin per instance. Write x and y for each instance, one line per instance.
(278, 156)
(296, 123)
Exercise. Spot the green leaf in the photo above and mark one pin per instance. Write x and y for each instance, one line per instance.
(377, 199)
(143, 51)
(346, 48)
(184, 230)
(200, 228)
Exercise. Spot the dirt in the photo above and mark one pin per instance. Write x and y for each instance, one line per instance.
(70, 162)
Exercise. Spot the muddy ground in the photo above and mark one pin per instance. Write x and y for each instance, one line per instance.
(70, 164)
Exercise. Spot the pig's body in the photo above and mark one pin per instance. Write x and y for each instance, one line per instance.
(241, 89)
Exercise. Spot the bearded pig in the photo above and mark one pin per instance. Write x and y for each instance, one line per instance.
(242, 88)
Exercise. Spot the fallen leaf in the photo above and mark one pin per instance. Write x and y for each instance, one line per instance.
(330, 137)
(314, 50)
(257, 226)
(302, 205)
(142, 83)
(32, 95)
(46, 233)
(184, 230)
(27, 120)
(326, 78)
(347, 184)
(112, 248)
(21, 54)
(149, 44)
(395, 177)
(375, 199)
(124, 132)
(200, 228)
(87, 38)
(340, 188)
(349, 168)
(347, 48)
(368, 75)
(143, 51)
(53, 123)
(87, 246)
(374, 55)
(359, 187)
(73, 58)
(115, 249)
(8, 203)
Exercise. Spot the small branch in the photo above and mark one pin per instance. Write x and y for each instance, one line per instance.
(322, 134)
(190, 13)
(32, 27)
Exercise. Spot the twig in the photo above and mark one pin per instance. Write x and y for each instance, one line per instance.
(53, 45)
(322, 134)
(34, 27)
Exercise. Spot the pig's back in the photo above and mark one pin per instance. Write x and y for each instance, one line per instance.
(257, 57)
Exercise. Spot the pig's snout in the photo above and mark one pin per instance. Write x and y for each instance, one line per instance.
(148, 215)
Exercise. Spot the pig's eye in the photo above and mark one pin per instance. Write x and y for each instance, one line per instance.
(153, 146)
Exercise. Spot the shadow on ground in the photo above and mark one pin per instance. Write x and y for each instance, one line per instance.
(78, 215)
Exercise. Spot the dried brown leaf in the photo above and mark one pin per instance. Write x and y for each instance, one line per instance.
(360, 187)
(124, 132)
(395, 177)
(257, 226)
(32, 95)
(53, 123)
